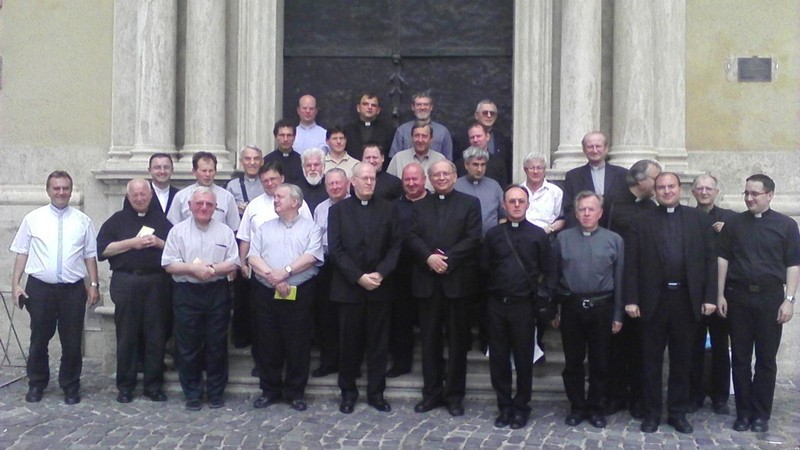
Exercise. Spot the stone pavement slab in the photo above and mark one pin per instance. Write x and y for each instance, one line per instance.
(100, 422)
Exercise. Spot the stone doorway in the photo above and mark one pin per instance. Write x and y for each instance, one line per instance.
(462, 51)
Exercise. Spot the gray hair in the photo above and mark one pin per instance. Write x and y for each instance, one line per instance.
(203, 190)
(484, 102)
(294, 191)
(422, 94)
(582, 195)
(638, 171)
(475, 153)
(130, 184)
(531, 157)
(336, 171)
(704, 176)
(313, 151)
(449, 163)
(358, 168)
(251, 147)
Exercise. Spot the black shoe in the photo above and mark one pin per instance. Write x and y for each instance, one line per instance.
(72, 398)
(742, 424)
(298, 405)
(347, 406)
(380, 404)
(721, 408)
(518, 421)
(193, 405)
(759, 426)
(323, 371)
(597, 420)
(503, 420)
(34, 395)
(427, 405)
(455, 409)
(125, 397)
(265, 400)
(637, 411)
(216, 402)
(680, 424)
(614, 406)
(395, 372)
(574, 418)
(156, 396)
(649, 426)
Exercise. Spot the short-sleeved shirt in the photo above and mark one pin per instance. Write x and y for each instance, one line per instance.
(252, 186)
(346, 163)
(403, 158)
(57, 242)
(279, 243)
(759, 249)
(491, 196)
(188, 242)
(544, 205)
(262, 209)
(441, 141)
(226, 212)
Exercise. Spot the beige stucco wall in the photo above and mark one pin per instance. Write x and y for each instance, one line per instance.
(728, 115)
(56, 72)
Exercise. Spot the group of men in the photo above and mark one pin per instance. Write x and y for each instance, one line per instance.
(334, 239)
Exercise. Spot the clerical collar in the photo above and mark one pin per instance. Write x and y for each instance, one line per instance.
(670, 209)
(286, 155)
(758, 215)
(442, 196)
(141, 214)
(364, 202)
(475, 182)
(586, 233)
(514, 224)
(367, 124)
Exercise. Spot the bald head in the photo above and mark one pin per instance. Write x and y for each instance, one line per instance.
(307, 110)
(139, 194)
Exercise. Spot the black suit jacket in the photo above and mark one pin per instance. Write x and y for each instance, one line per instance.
(500, 166)
(643, 278)
(458, 236)
(357, 246)
(580, 179)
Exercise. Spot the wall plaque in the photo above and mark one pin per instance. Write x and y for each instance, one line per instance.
(755, 69)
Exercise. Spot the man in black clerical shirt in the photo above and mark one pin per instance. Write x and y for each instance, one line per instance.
(313, 182)
(368, 128)
(670, 281)
(705, 190)
(284, 132)
(515, 256)
(132, 240)
(759, 255)
(387, 186)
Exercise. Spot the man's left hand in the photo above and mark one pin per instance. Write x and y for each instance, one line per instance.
(785, 312)
(708, 309)
(92, 295)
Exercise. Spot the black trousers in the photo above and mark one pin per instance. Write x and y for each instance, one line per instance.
(140, 315)
(717, 328)
(626, 359)
(241, 323)
(511, 328)
(363, 325)
(403, 317)
(585, 330)
(326, 320)
(435, 313)
(753, 324)
(202, 315)
(672, 325)
(284, 340)
(59, 306)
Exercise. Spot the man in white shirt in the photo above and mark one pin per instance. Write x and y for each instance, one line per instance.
(544, 208)
(56, 247)
(309, 134)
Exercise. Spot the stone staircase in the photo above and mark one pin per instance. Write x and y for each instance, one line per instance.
(547, 383)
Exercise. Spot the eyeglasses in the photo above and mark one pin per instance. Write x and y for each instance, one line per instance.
(488, 113)
(753, 194)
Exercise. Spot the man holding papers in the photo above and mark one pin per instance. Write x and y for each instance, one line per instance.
(285, 254)
(132, 241)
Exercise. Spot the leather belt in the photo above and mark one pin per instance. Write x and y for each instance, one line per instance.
(673, 285)
(756, 288)
(589, 301)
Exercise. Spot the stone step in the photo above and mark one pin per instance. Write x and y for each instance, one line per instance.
(547, 382)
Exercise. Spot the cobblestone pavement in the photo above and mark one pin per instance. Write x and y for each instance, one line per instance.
(100, 422)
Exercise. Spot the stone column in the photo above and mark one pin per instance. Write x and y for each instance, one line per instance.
(205, 80)
(533, 47)
(670, 84)
(260, 72)
(123, 88)
(156, 41)
(581, 64)
(632, 137)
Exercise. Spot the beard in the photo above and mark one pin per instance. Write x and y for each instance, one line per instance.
(314, 180)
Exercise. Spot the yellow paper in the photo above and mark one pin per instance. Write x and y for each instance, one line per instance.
(291, 297)
(145, 231)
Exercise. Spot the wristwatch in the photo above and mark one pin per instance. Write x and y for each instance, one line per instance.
(288, 269)
(790, 299)
(94, 284)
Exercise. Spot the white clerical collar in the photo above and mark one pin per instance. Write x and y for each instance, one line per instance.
(141, 214)
(367, 124)
(442, 196)
(514, 224)
(670, 209)
(758, 215)
(364, 202)
(475, 182)
(586, 233)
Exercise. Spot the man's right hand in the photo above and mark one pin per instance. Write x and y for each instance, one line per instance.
(722, 306)
(632, 311)
(16, 292)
